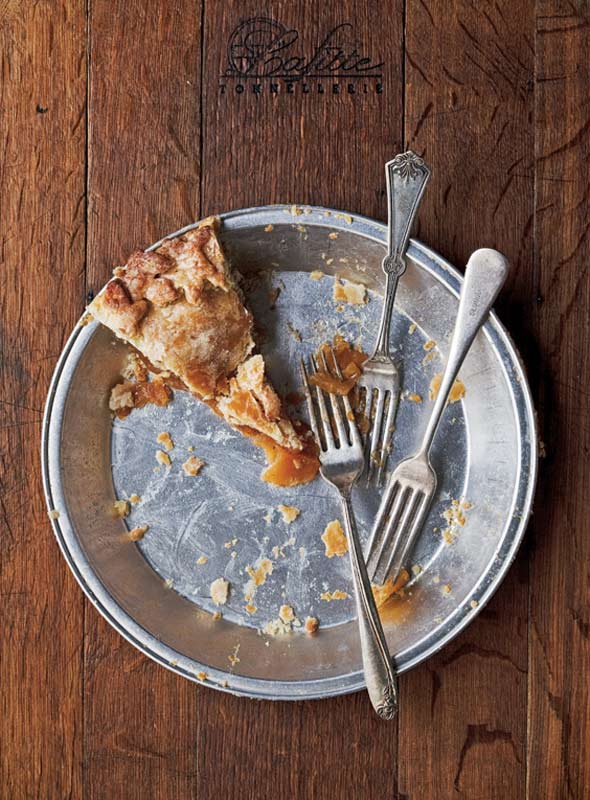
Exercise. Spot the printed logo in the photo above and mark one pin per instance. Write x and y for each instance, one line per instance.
(265, 56)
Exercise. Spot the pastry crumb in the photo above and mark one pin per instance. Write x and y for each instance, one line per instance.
(225, 684)
(334, 540)
(202, 560)
(429, 345)
(269, 228)
(296, 211)
(233, 658)
(286, 613)
(168, 583)
(446, 588)
(473, 603)
(165, 440)
(412, 328)
(416, 569)
(316, 275)
(311, 624)
(193, 465)
(290, 513)
(135, 534)
(134, 499)
(259, 573)
(414, 398)
(250, 608)
(163, 458)
(333, 235)
(217, 615)
(348, 292)
(53, 514)
(202, 676)
(277, 627)
(120, 509)
(391, 587)
(337, 594)
(219, 590)
(457, 392)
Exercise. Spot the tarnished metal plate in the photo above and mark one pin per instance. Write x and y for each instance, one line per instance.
(155, 593)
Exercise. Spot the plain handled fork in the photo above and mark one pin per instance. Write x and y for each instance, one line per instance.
(412, 485)
(342, 462)
(407, 176)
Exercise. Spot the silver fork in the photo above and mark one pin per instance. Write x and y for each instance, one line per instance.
(412, 485)
(406, 176)
(342, 462)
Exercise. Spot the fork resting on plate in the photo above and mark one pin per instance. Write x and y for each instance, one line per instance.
(411, 487)
(342, 462)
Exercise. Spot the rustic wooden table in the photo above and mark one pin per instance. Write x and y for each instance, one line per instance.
(120, 124)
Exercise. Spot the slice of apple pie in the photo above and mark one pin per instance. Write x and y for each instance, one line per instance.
(180, 308)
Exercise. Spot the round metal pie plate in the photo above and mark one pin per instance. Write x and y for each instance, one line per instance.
(154, 592)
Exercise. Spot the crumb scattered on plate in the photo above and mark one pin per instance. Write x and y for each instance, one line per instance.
(390, 587)
(202, 676)
(135, 534)
(347, 292)
(416, 569)
(333, 235)
(269, 228)
(473, 603)
(311, 624)
(134, 499)
(429, 344)
(120, 509)
(290, 513)
(165, 440)
(286, 613)
(446, 588)
(457, 392)
(276, 627)
(412, 328)
(250, 608)
(217, 615)
(193, 465)
(219, 590)
(334, 540)
(316, 275)
(414, 398)
(337, 594)
(163, 458)
(202, 560)
(53, 514)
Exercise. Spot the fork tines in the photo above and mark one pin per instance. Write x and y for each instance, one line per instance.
(334, 431)
(379, 408)
(398, 522)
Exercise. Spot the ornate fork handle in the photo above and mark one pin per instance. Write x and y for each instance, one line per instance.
(379, 675)
(407, 176)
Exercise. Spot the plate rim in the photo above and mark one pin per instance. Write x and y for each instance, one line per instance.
(316, 688)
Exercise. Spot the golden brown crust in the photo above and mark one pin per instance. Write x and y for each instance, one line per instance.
(180, 308)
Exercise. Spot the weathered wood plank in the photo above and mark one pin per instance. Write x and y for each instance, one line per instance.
(140, 722)
(299, 147)
(469, 106)
(42, 108)
(559, 697)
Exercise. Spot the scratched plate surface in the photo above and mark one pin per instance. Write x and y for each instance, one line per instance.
(156, 594)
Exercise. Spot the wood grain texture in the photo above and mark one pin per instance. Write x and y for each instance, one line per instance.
(559, 694)
(299, 148)
(495, 95)
(42, 108)
(140, 721)
(469, 109)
